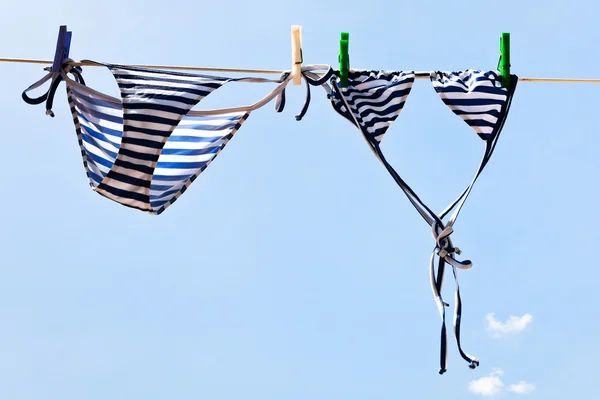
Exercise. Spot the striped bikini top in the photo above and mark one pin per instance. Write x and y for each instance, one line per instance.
(372, 102)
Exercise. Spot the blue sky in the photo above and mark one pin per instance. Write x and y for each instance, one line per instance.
(294, 267)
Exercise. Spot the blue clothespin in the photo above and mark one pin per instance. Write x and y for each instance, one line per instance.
(63, 45)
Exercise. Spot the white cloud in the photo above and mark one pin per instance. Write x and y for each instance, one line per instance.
(488, 386)
(512, 325)
(492, 385)
(521, 388)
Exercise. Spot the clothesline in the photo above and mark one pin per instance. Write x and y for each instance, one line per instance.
(418, 74)
(173, 67)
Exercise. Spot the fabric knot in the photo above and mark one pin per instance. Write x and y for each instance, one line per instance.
(444, 248)
(311, 78)
(55, 78)
(445, 252)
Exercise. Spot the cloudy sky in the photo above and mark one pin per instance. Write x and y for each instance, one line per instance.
(294, 267)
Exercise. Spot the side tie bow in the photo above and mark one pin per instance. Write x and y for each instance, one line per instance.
(55, 78)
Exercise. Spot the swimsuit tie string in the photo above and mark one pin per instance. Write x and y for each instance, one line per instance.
(444, 248)
(55, 79)
(310, 79)
(445, 252)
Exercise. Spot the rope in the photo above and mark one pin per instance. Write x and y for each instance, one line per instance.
(418, 74)
(174, 67)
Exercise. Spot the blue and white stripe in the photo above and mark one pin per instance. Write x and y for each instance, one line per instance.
(149, 159)
(375, 99)
(190, 149)
(153, 104)
(99, 127)
(475, 96)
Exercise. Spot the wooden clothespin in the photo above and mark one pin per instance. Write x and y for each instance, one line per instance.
(296, 55)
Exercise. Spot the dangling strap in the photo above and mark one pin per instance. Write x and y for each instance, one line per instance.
(436, 286)
(56, 79)
(311, 79)
(445, 252)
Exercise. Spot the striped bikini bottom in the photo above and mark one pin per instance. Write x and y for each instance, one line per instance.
(145, 149)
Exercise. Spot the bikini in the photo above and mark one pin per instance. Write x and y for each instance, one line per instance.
(372, 102)
(145, 149)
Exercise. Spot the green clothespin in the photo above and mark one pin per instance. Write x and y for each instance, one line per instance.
(344, 59)
(504, 63)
